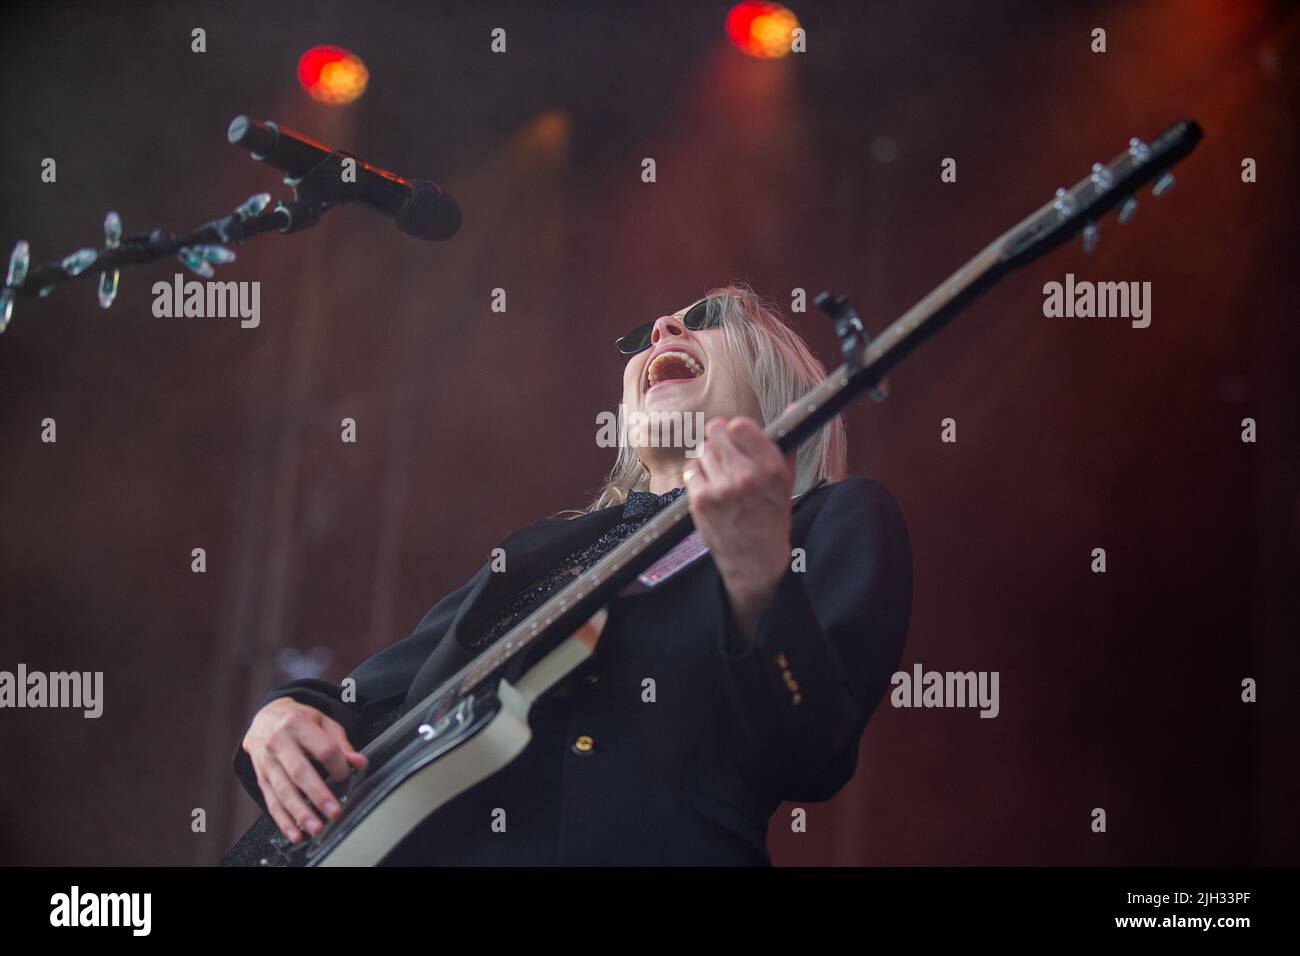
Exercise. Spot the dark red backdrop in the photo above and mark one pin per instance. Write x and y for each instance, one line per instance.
(820, 171)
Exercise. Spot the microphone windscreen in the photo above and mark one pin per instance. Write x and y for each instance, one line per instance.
(430, 213)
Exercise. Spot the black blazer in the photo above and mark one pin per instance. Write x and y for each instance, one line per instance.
(694, 741)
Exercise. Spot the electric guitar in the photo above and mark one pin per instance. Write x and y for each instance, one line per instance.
(476, 721)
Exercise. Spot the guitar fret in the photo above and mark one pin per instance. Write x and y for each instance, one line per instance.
(1084, 195)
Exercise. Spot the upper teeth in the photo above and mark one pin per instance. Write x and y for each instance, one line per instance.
(691, 365)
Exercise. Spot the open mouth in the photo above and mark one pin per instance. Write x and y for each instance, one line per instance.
(672, 366)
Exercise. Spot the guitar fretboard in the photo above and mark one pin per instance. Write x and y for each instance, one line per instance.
(1050, 224)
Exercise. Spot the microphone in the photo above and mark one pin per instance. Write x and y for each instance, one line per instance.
(423, 209)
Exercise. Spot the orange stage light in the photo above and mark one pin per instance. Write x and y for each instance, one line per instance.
(761, 29)
(332, 74)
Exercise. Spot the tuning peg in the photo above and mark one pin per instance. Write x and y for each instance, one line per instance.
(1128, 209)
(108, 279)
(1064, 203)
(1091, 236)
(1163, 184)
(1101, 176)
(1139, 150)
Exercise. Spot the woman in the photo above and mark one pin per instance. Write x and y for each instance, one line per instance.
(732, 684)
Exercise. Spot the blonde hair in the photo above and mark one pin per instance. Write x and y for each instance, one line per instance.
(782, 370)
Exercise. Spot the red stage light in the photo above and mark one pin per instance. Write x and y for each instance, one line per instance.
(332, 74)
(761, 29)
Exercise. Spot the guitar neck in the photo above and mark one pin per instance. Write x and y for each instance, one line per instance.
(796, 425)
(576, 602)
(1066, 214)
(565, 611)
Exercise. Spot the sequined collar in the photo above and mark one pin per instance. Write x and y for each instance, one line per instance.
(643, 504)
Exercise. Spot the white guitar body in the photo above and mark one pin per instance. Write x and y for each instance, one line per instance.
(474, 760)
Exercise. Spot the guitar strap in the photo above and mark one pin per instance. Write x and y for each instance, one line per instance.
(684, 554)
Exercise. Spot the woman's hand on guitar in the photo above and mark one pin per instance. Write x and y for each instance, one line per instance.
(281, 737)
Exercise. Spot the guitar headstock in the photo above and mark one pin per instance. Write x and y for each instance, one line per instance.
(1078, 209)
(867, 359)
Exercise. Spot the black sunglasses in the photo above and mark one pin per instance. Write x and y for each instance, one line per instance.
(705, 314)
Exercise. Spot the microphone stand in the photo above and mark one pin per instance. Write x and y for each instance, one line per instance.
(198, 250)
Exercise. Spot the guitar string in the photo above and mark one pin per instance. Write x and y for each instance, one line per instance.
(536, 623)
